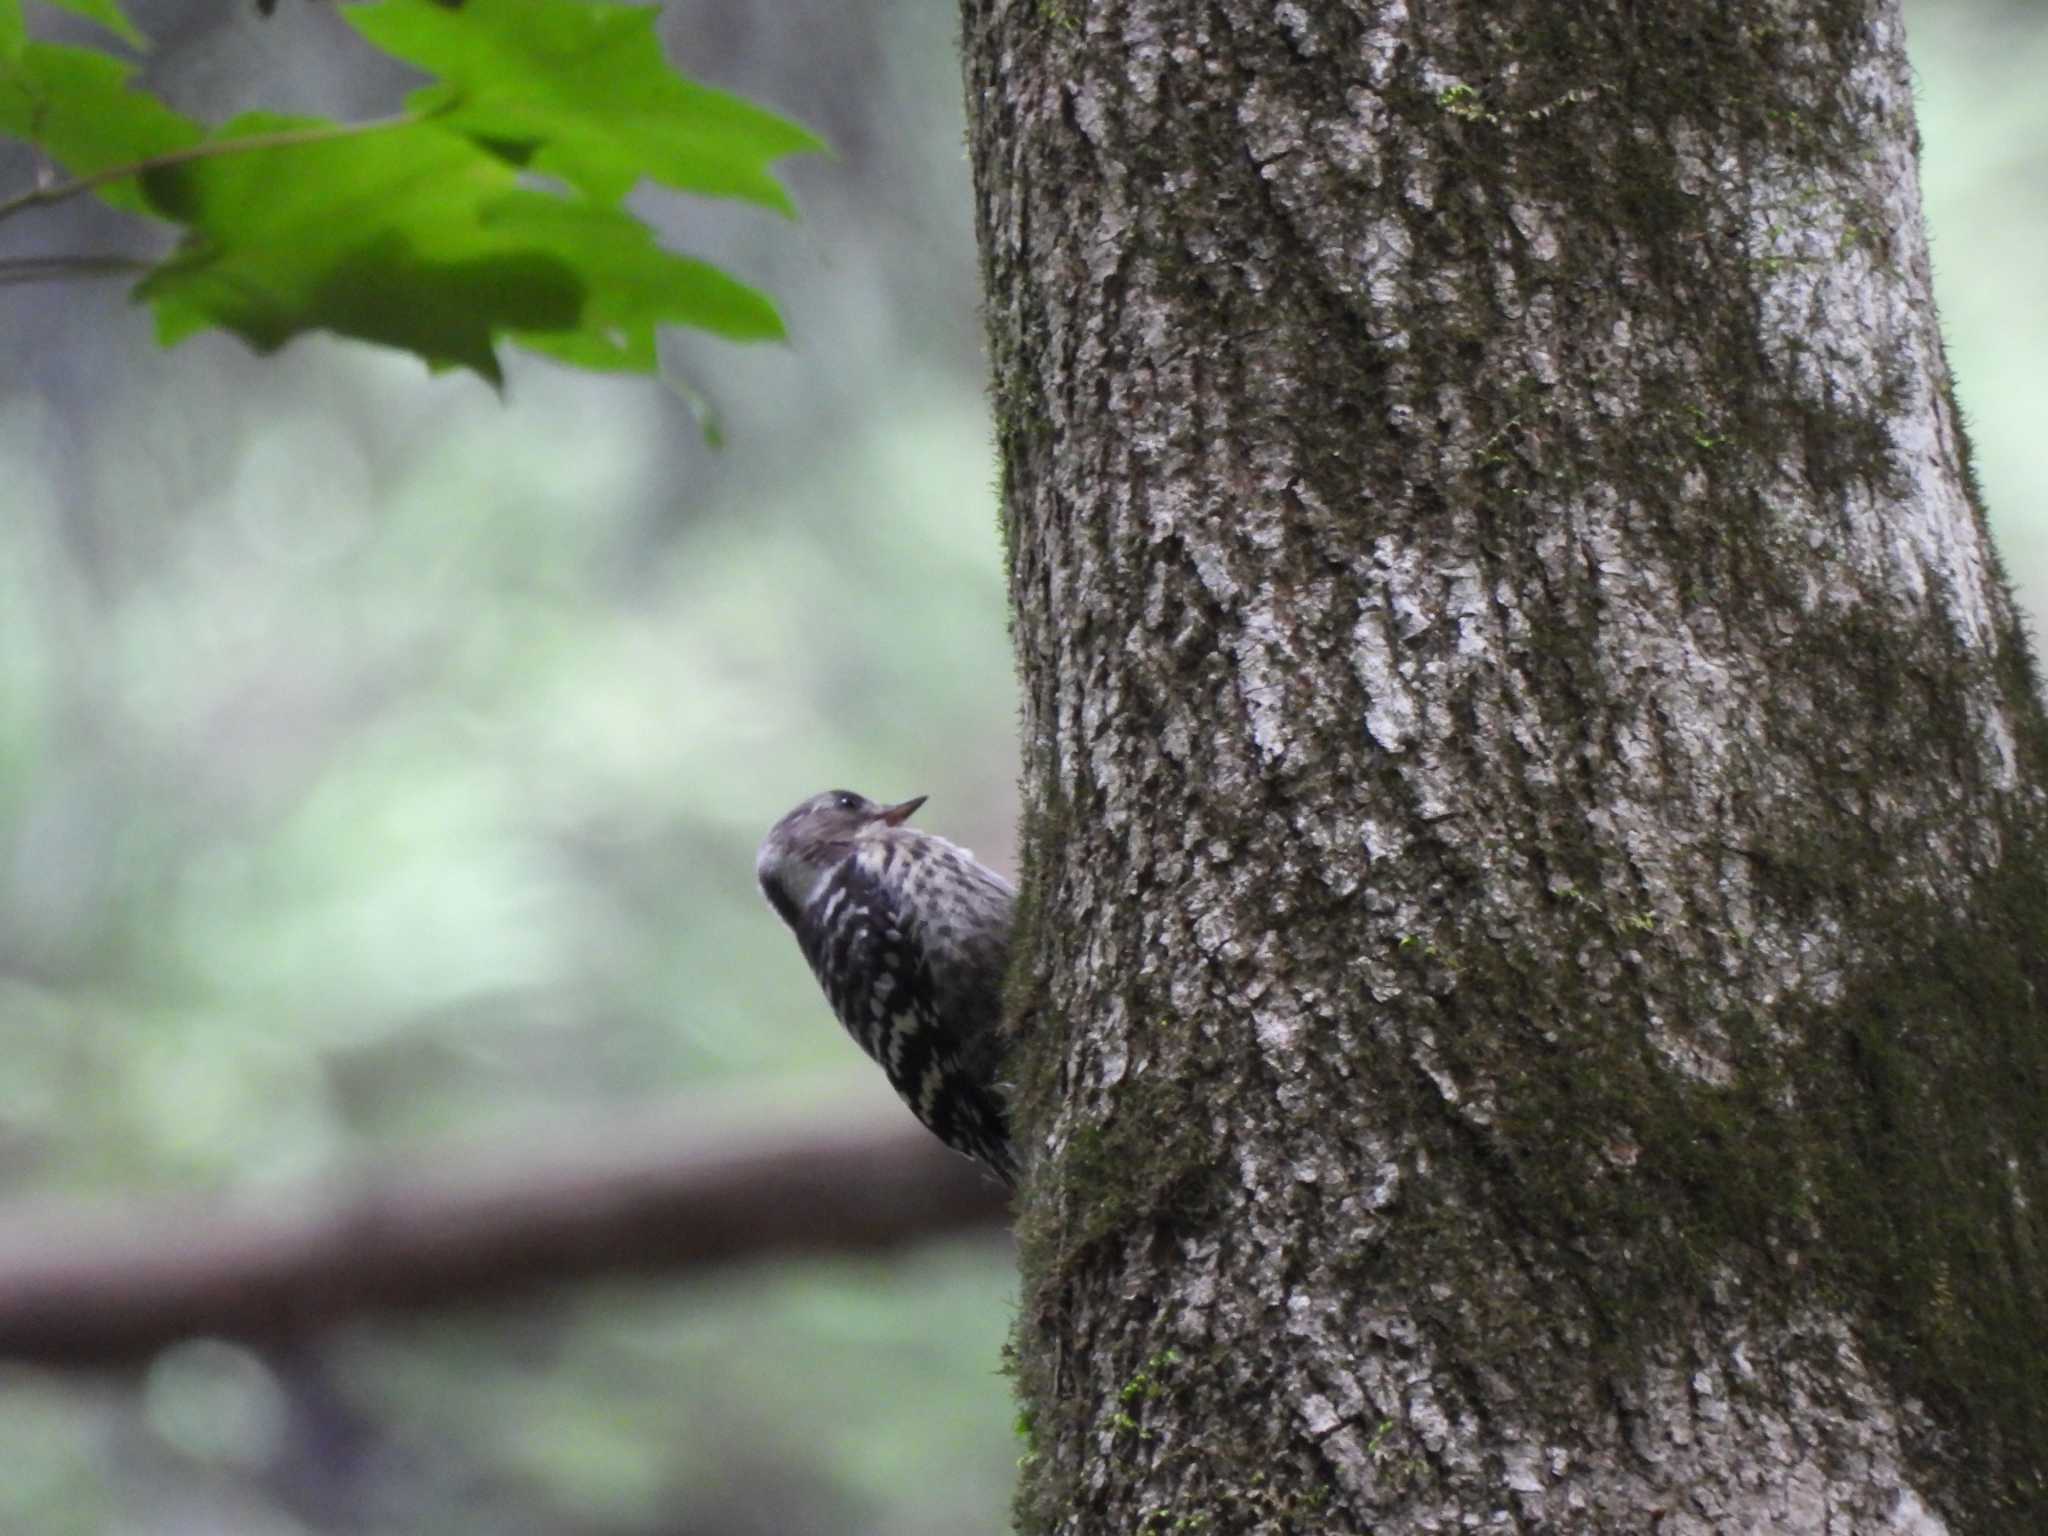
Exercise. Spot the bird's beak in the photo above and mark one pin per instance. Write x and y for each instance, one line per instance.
(896, 815)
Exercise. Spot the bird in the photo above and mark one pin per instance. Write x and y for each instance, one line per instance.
(908, 935)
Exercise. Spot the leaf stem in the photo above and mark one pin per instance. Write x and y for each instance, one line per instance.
(211, 149)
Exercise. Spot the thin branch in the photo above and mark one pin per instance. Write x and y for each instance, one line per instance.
(112, 1285)
(211, 149)
(17, 270)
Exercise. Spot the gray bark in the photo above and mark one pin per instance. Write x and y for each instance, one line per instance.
(1530, 980)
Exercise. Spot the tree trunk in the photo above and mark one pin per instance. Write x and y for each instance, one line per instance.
(1531, 959)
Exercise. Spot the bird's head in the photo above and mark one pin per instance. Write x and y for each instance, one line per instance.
(815, 838)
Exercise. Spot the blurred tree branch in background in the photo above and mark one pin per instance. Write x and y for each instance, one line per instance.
(110, 1285)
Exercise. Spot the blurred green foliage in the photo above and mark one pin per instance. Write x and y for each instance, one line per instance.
(381, 767)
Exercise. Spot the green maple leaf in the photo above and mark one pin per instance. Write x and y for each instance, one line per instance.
(426, 231)
(380, 236)
(581, 91)
(77, 105)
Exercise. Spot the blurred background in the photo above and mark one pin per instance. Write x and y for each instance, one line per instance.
(381, 765)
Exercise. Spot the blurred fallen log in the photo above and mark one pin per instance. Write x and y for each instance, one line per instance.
(109, 1284)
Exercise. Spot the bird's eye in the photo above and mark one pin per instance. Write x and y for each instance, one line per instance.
(849, 802)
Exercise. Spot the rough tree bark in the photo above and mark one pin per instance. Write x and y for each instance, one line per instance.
(1532, 952)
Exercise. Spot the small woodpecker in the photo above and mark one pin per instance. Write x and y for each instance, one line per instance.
(909, 935)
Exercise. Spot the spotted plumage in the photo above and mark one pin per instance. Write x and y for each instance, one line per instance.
(908, 934)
